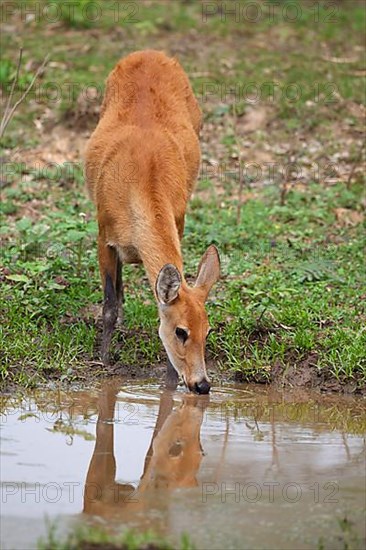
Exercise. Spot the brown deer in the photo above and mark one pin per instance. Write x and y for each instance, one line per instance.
(141, 165)
(172, 461)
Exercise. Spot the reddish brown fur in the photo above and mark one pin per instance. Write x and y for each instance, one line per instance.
(172, 460)
(143, 158)
(141, 165)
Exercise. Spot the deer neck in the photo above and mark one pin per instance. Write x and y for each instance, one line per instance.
(159, 246)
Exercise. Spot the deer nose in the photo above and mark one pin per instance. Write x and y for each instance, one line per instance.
(202, 387)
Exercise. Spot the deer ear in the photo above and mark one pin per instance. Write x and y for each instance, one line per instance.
(168, 284)
(208, 270)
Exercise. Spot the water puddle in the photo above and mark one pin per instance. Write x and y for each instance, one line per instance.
(244, 468)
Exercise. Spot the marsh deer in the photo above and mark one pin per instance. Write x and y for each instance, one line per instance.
(141, 165)
(172, 461)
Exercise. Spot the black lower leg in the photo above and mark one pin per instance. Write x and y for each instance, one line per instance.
(119, 285)
(110, 314)
(172, 377)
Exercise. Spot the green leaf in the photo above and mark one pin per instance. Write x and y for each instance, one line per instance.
(18, 278)
(55, 286)
(36, 267)
(24, 224)
(75, 236)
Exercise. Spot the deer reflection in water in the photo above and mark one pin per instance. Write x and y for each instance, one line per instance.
(172, 460)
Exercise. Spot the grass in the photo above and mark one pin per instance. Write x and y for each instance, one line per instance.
(93, 538)
(291, 298)
(346, 535)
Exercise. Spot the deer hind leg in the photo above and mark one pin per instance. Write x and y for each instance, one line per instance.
(119, 291)
(110, 270)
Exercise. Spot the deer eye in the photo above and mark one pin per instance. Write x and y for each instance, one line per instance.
(182, 334)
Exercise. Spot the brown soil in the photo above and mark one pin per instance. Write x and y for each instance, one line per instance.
(306, 374)
(293, 373)
(298, 372)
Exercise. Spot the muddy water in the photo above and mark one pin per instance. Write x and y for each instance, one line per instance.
(244, 468)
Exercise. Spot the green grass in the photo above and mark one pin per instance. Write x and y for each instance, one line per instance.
(293, 285)
(83, 538)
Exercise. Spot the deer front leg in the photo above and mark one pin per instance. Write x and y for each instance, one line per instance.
(112, 282)
(171, 378)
